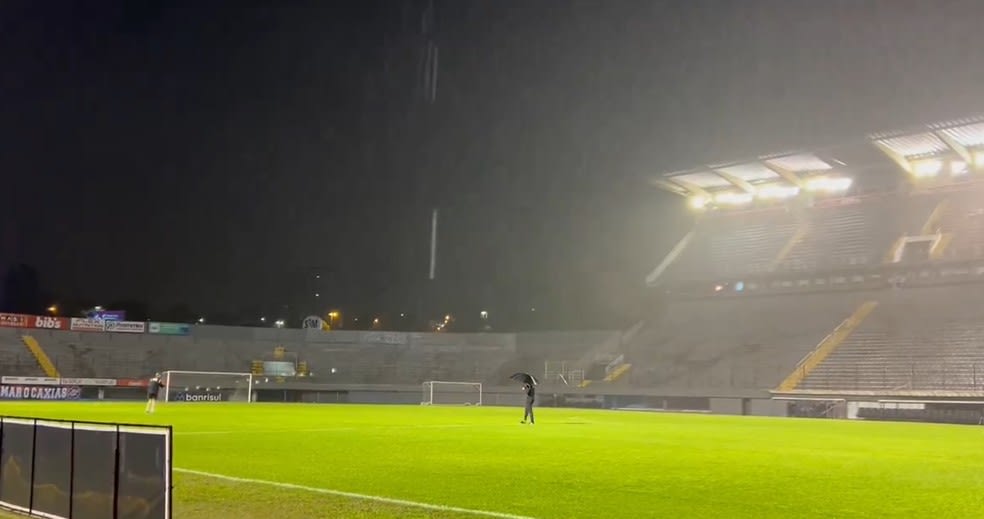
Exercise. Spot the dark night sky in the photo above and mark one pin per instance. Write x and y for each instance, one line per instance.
(207, 153)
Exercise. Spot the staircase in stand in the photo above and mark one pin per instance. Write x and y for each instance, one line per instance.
(827, 347)
(44, 361)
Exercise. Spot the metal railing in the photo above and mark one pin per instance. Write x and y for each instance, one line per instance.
(83, 470)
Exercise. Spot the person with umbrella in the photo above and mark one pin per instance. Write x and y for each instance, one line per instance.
(529, 387)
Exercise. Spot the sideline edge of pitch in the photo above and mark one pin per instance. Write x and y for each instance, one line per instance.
(353, 495)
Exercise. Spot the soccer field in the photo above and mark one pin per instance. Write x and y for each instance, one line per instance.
(410, 461)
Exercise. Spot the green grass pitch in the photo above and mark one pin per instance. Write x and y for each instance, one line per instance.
(572, 464)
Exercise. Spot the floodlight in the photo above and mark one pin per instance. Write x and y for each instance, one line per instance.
(958, 167)
(731, 198)
(979, 159)
(698, 202)
(776, 191)
(927, 168)
(828, 184)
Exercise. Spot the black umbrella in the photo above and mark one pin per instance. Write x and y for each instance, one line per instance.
(525, 378)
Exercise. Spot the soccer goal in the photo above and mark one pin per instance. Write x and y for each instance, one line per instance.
(437, 392)
(207, 386)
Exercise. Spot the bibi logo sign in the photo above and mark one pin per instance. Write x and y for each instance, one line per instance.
(49, 323)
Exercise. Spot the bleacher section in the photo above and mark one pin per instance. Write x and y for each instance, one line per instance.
(333, 357)
(14, 357)
(857, 234)
(849, 233)
(964, 218)
(918, 339)
(734, 343)
(736, 244)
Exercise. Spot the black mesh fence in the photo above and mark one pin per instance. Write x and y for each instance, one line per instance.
(83, 470)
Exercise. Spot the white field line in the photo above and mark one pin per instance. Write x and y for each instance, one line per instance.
(353, 495)
(329, 429)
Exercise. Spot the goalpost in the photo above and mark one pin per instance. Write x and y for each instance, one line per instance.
(207, 386)
(439, 392)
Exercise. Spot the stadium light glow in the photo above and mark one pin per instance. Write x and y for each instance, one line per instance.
(776, 191)
(927, 168)
(979, 159)
(730, 198)
(828, 184)
(698, 202)
(958, 167)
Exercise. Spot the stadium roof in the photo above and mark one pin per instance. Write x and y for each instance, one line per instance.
(922, 151)
(946, 150)
(783, 173)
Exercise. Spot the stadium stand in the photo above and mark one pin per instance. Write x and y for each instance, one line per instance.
(800, 279)
(963, 217)
(839, 236)
(733, 343)
(918, 339)
(796, 279)
(14, 357)
(737, 244)
(334, 357)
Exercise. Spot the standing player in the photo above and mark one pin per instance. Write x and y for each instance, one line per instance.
(530, 398)
(153, 387)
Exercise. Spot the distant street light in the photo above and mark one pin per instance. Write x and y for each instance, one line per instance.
(53, 309)
(262, 319)
(201, 320)
(485, 315)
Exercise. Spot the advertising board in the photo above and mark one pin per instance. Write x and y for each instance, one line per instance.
(107, 315)
(126, 326)
(194, 396)
(169, 328)
(10, 392)
(14, 320)
(131, 382)
(45, 322)
(53, 381)
(87, 325)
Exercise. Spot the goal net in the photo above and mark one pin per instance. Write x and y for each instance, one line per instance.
(436, 392)
(207, 386)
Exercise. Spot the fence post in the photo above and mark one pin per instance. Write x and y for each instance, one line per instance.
(116, 476)
(34, 455)
(71, 473)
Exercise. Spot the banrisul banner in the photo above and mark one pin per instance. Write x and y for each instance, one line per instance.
(126, 326)
(169, 328)
(190, 396)
(8, 392)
